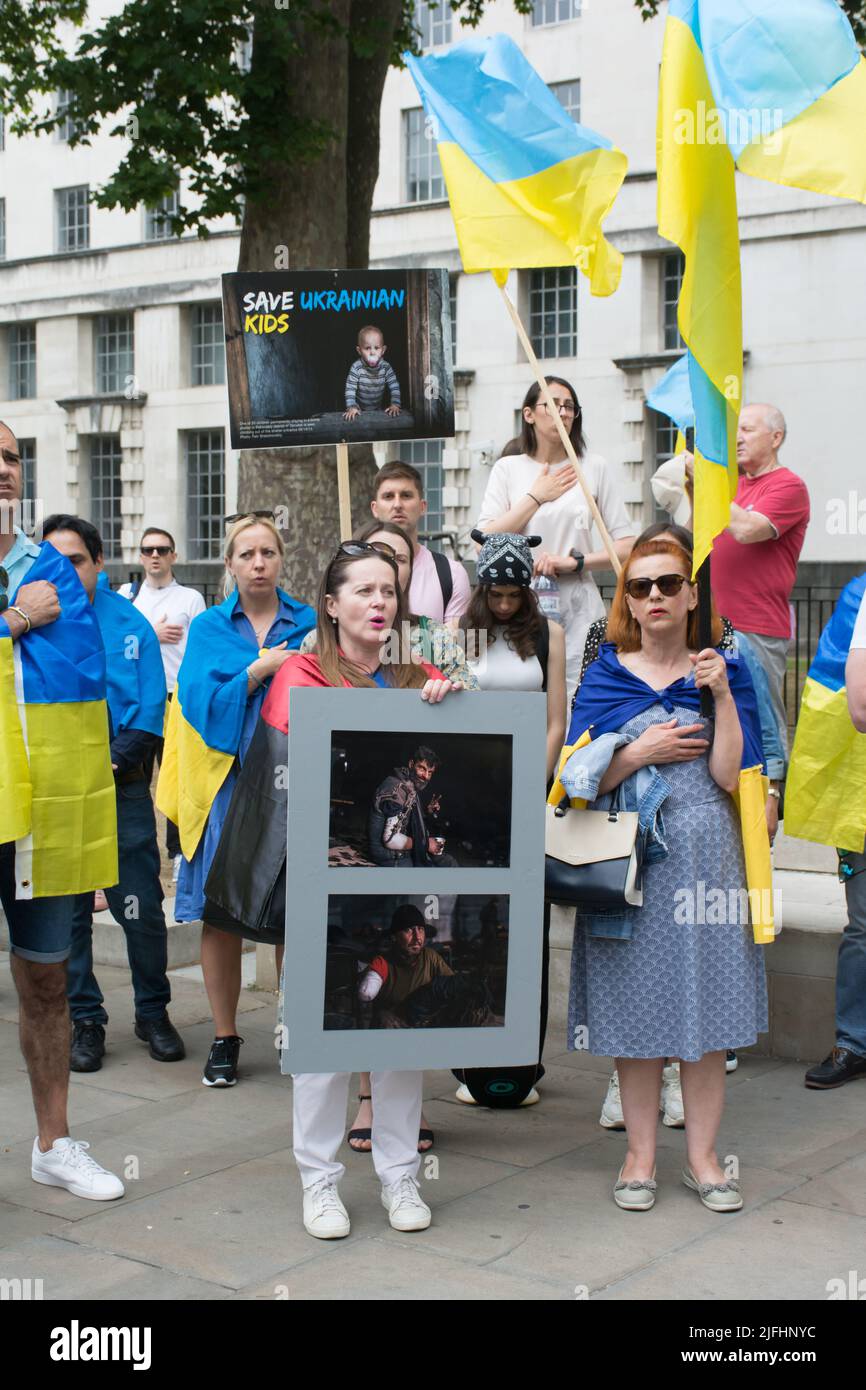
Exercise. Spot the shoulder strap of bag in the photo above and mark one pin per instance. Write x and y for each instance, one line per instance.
(446, 578)
(542, 650)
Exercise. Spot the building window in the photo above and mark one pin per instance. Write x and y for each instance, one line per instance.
(206, 493)
(424, 181)
(568, 96)
(105, 489)
(115, 359)
(452, 302)
(27, 454)
(554, 11)
(157, 220)
(73, 218)
(426, 456)
(433, 23)
(21, 345)
(665, 446)
(208, 367)
(673, 268)
(68, 125)
(553, 312)
(2, 229)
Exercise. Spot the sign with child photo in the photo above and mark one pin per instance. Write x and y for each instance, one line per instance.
(338, 356)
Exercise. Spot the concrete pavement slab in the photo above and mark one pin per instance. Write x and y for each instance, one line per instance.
(403, 1268)
(68, 1269)
(842, 1188)
(782, 1250)
(18, 1224)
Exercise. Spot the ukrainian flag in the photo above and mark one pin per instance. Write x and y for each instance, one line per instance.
(672, 396)
(527, 186)
(825, 794)
(56, 782)
(206, 715)
(777, 89)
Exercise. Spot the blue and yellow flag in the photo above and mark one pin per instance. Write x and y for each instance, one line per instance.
(56, 783)
(527, 186)
(672, 395)
(134, 670)
(777, 89)
(825, 794)
(207, 712)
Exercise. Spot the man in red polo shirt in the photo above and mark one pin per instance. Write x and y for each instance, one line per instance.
(754, 561)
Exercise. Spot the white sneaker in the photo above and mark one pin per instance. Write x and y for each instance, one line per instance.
(731, 1060)
(68, 1164)
(407, 1211)
(325, 1217)
(464, 1095)
(671, 1101)
(611, 1111)
(175, 872)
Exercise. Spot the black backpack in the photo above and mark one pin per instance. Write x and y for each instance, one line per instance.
(445, 577)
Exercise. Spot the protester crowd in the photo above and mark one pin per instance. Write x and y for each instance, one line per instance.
(207, 699)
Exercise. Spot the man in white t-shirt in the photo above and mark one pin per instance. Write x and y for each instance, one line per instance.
(440, 586)
(169, 608)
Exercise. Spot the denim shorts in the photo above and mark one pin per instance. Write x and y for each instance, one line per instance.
(40, 929)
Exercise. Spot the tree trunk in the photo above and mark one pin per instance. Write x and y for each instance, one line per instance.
(309, 206)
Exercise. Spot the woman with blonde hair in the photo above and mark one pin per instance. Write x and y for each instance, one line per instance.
(234, 650)
(360, 604)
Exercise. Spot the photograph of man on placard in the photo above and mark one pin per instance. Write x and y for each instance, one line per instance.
(431, 961)
(399, 803)
(334, 356)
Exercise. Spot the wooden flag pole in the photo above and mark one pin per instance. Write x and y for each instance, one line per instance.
(563, 433)
(343, 492)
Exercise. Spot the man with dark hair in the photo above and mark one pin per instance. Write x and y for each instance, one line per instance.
(40, 927)
(169, 608)
(413, 987)
(440, 587)
(136, 707)
(397, 824)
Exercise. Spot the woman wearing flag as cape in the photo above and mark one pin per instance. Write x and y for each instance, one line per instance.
(680, 976)
(233, 651)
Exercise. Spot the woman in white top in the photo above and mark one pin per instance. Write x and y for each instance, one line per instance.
(539, 486)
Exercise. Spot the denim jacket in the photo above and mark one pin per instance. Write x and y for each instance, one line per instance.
(645, 792)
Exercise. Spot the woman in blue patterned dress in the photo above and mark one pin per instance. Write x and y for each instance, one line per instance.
(680, 976)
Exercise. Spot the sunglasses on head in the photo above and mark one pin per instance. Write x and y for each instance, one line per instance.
(239, 516)
(667, 584)
(4, 583)
(156, 550)
(367, 548)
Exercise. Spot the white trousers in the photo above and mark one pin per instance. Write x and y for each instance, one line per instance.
(319, 1119)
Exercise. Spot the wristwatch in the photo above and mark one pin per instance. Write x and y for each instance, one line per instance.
(576, 555)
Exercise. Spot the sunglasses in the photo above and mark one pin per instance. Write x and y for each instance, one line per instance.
(239, 516)
(155, 550)
(667, 584)
(4, 598)
(367, 548)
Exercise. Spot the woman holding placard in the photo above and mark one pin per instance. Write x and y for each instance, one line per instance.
(360, 603)
(538, 490)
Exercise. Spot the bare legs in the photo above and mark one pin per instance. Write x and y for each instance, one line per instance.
(221, 965)
(44, 1033)
(703, 1101)
(364, 1118)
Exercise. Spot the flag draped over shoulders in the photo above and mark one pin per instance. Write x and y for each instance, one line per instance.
(611, 695)
(206, 715)
(56, 781)
(825, 793)
(134, 669)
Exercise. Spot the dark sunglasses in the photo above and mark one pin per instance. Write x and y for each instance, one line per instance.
(4, 598)
(667, 585)
(367, 548)
(238, 516)
(156, 550)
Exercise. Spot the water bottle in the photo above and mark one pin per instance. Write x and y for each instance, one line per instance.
(547, 589)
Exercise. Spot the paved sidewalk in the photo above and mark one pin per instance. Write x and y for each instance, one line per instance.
(522, 1201)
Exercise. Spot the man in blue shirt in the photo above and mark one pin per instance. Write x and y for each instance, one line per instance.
(136, 707)
(40, 929)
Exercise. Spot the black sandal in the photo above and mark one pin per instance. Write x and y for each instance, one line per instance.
(423, 1136)
(366, 1135)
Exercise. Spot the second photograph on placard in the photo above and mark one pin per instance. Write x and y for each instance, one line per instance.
(404, 800)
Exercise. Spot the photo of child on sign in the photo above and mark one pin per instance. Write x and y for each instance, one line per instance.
(331, 357)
